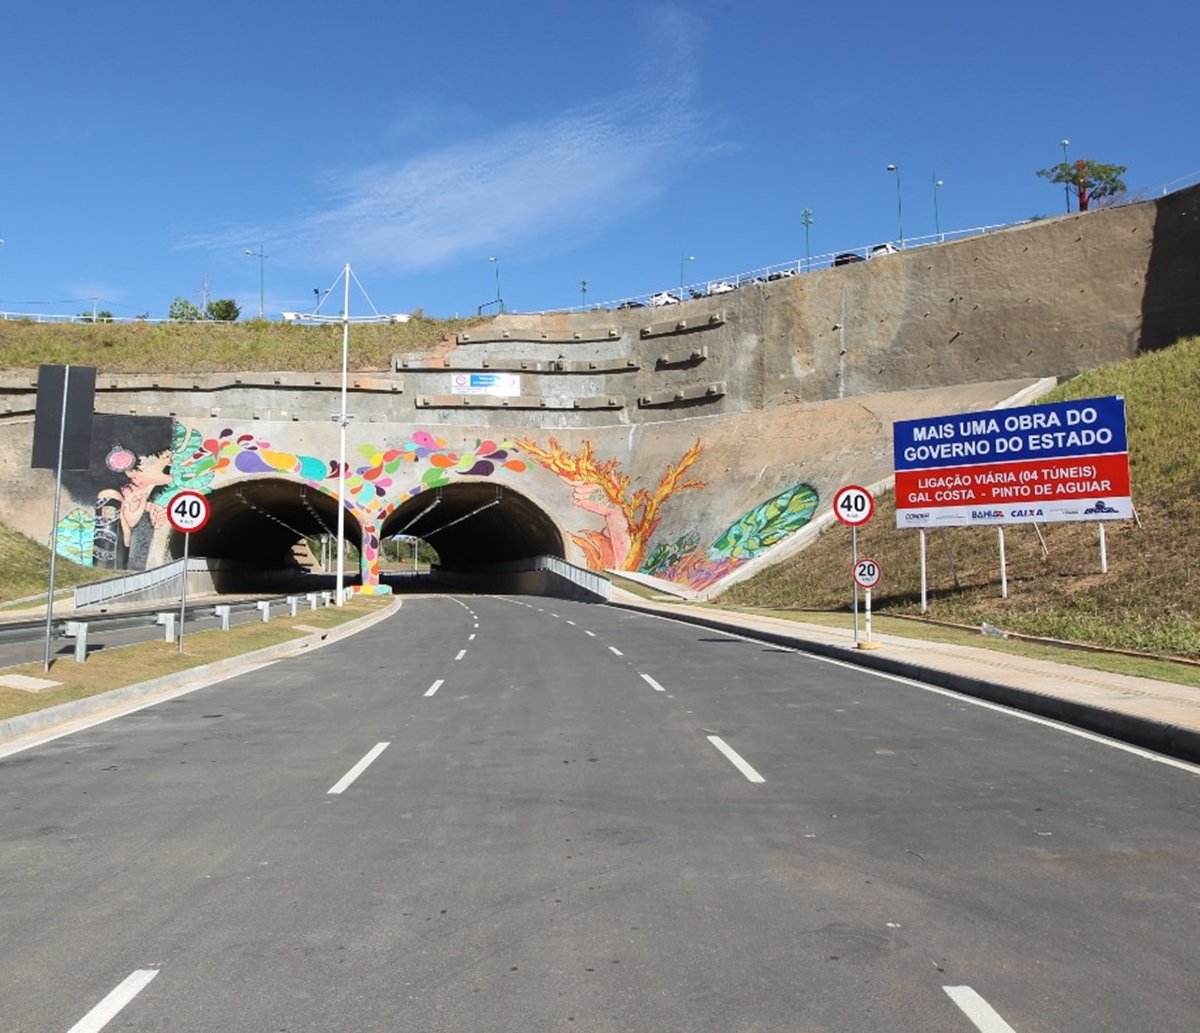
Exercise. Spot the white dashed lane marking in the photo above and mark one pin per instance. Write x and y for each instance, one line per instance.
(343, 783)
(107, 1010)
(975, 1008)
(732, 756)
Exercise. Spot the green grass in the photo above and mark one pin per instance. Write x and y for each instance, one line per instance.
(212, 347)
(25, 568)
(1148, 600)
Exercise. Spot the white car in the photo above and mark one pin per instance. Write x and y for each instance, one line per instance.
(883, 249)
(721, 287)
(662, 298)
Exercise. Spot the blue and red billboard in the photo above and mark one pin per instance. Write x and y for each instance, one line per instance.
(1055, 462)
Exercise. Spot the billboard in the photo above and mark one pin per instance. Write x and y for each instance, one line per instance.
(506, 385)
(1037, 463)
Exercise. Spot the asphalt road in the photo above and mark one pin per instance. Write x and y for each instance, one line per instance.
(506, 814)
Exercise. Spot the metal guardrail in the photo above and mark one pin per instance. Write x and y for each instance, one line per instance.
(588, 580)
(96, 592)
(35, 630)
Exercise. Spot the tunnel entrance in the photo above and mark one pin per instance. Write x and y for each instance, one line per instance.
(275, 534)
(270, 534)
(476, 523)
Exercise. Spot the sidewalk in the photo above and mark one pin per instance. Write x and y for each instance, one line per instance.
(1156, 715)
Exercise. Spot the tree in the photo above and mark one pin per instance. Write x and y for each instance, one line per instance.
(103, 316)
(1093, 180)
(183, 309)
(224, 310)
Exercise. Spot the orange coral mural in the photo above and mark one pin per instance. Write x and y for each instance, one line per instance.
(600, 488)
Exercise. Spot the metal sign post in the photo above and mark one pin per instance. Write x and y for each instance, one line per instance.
(187, 511)
(867, 574)
(854, 505)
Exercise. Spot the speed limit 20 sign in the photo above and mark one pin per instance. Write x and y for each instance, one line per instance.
(853, 505)
(867, 573)
(188, 511)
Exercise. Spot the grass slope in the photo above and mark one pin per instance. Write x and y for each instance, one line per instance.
(25, 568)
(212, 347)
(1147, 601)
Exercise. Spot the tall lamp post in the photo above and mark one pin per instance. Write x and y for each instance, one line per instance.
(261, 255)
(806, 217)
(343, 416)
(583, 293)
(499, 300)
(937, 219)
(684, 258)
(899, 201)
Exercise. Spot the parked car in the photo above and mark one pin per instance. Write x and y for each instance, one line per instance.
(631, 304)
(781, 274)
(847, 258)
(721, 287)
(662, 298)
(883, 249)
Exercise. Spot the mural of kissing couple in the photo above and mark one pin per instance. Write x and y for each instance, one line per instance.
(139, 463)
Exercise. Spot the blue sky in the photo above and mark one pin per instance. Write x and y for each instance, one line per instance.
(147, 145)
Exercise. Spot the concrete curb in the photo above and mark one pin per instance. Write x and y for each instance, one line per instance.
(1157, 736)
(132, 697)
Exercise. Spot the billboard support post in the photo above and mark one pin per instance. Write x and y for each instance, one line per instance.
(924, 581)
(1103, 549)
(1003, 563)
(62, 437)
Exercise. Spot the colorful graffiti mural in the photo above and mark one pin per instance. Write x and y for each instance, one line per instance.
(126, 528)
(139, 463)
(757, 530)
(600, 488)
(136, 468)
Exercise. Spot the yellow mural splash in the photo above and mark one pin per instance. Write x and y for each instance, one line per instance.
(600, 488)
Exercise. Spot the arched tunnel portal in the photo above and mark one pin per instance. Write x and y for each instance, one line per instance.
(257, 523)
(474, 523)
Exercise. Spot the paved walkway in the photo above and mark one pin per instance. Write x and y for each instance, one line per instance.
(1158, 715)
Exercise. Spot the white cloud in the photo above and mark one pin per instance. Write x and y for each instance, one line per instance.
(541, 180)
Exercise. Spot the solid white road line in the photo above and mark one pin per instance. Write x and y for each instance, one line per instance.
(977, 1010)
(733, 758)
(616, 651)
(461, 654)
(106, 1010)
(348, 778)
(999, 708)
(652, 683)
(434, 687)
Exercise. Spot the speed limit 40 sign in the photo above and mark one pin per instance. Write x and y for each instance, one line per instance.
(853, 505)
(188, 511)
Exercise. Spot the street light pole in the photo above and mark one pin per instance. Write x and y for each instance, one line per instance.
(937, 219)
(261, 255)
(683, 258)
(1066, 186)
(583, 293)
(899, 202)
(342, 421)
(806, 217)
(499, 300)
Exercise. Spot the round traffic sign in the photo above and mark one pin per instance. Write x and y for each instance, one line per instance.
(188, 511)
(867, 573)
(853, 505)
